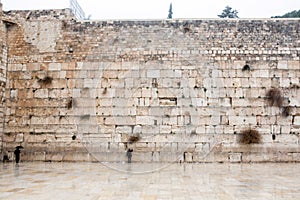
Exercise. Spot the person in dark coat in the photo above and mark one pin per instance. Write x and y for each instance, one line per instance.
(5, 157)
(17, 154)
(129, 154)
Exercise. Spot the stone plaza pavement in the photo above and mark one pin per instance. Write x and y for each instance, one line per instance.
(39, 180)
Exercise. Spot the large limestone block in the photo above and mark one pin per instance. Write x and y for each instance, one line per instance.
(90, 83)
(112, 157)
(202, 147)
(141, 157)
(256, 157)
(39, 156)
(293, 64)
(41, 93)
(56, 157)
(168, 157)
(124, 129)
(282, 64)
(260, 73)
(235, 157)
(122, 120)
(295, 101)
(242, 120)
(296, 156)
(145, 120)
(153, 73)
(297, 120)
(105, 102)
(156, 156)
(38, 120)
(54, 66)
(200, 129)
(103, 147)
(19, 138)
(188, 157)
(150, 130)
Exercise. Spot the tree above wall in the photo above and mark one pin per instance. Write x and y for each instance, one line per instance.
(293, 14)
(170, 12)
(228, 12)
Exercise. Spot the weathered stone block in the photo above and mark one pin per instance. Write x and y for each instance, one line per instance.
(124, 129)
(54, 66)
(153, 73)
(235, 157)
(41, 93)
(296, 120)
(122, 120)
(282, 64)
(188, 157)
(144, 120)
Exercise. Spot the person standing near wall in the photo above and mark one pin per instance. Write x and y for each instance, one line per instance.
(17, 153)
(5, 157)
(129, 154)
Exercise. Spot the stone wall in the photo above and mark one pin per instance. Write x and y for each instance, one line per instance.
(3, 63)
(184, 89)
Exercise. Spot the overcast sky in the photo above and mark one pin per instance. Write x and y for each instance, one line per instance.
(158, 9)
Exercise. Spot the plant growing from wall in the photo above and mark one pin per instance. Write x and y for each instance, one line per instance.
(274, 97)
(104, 91)
(133, 139)
(295, 86)
(193, 132)
(249, 136)
(47, 80)
(286, 111)
(70, 103)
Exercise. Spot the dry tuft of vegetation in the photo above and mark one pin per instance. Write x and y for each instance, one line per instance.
(45, 81)
(104, 91)
(186, 29)
(286, 111)
(274, 97)
(70, 104)
(250, 136)
(295, 86)
(133, 139)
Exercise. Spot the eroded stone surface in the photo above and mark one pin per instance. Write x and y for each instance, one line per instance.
(185, 87)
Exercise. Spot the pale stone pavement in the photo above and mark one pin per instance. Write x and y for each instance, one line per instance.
(149, 181)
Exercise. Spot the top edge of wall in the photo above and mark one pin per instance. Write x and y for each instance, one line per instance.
(67, 13)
